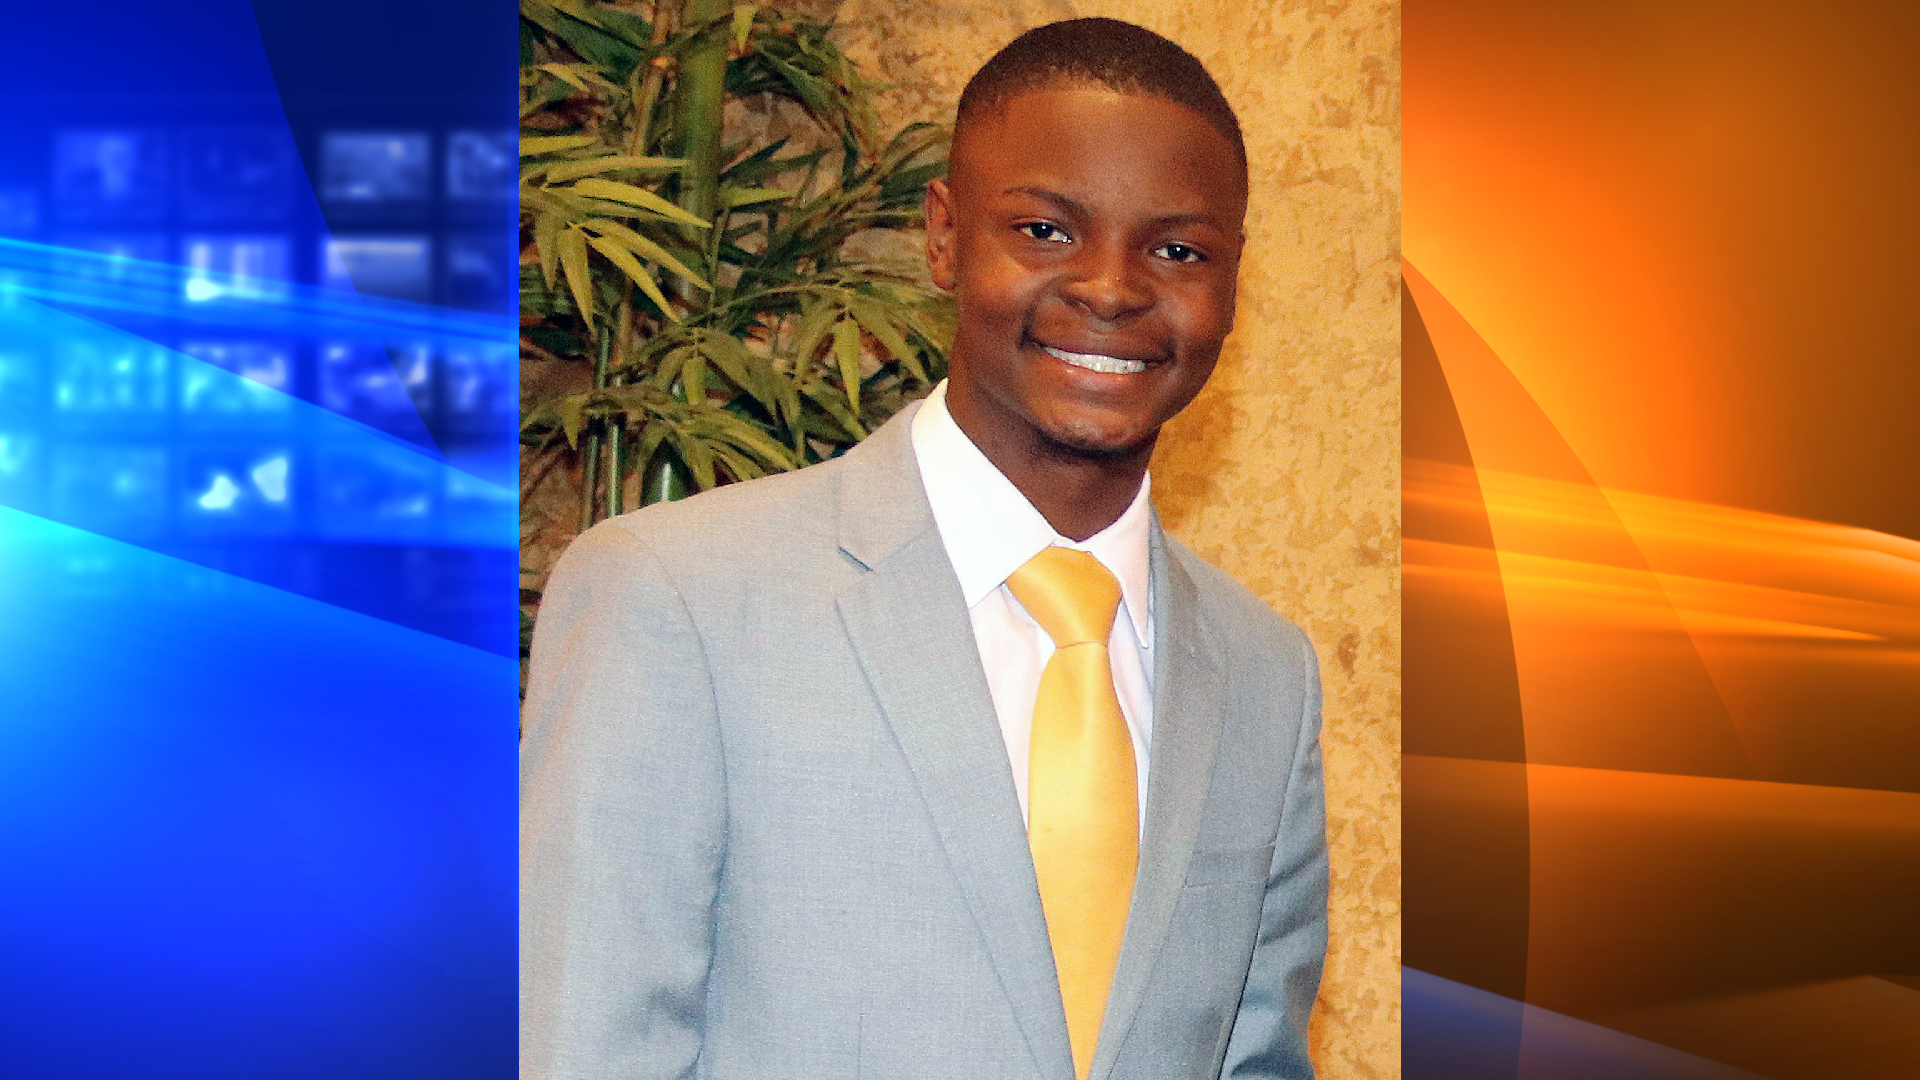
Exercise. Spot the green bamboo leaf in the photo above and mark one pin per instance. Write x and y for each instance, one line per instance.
(668, 370)
(761, 370)
(834, 404)
(817, 430)
(932, 318)
(743, 23)
(730, 173)
(646, 247)
(647, 356)
(911, 183)
(626, 397)
(578, 76)
(583, 12)
(624, 259)
(875, 320)
(725, 456)
(712, 423)
(920, 133)
(731, 197)
(569, 170)
(736, 362)
(693, 376)
(753, 440)
(628, 28)
(649, 440)
(635, 196)
(546, 237)
(789, 394)
(816, 317)
(535, 201)
(759, 462)
(573, 256)
(577, 207)
(808, 90)
(548, 144)
(572, 414)
(698, 457)
(577, 26)
(846, 349)
(740, 465)
(850, 157)
(762, 164)
(544, 97)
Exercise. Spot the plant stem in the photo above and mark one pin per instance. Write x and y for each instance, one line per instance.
(701, 98)
(664, 481)
(616, 468)
(639, 133)
(590, 463)
(640, 128)
(702, 94)
(617, 425)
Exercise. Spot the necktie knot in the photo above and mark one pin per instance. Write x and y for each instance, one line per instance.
(1069, 594)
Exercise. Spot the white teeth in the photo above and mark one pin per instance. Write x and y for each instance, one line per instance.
(1111, 365)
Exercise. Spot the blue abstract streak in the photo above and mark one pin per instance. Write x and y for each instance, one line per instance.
(1452, 1031)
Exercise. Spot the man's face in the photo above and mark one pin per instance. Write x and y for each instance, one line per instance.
(1092, 239)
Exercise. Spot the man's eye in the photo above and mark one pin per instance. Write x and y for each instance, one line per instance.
(1044, 230)
(1179, 253)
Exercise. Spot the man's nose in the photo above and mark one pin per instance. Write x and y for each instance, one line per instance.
(1108, 282)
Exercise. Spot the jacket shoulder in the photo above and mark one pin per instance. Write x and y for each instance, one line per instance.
(762, 523)
(1243, 616)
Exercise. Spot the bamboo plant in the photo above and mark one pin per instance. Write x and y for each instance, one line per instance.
(717, 295)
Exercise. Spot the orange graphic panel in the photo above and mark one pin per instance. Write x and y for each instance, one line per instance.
(1662, 541)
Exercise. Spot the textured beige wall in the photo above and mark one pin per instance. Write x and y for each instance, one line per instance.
(1286, 471)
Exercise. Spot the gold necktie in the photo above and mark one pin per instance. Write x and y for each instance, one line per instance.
(1083, 800)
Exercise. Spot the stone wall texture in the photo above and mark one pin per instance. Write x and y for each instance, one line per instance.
(1286, 471)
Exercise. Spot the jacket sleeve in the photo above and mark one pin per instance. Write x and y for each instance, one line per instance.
(1269, 1038)
(622, 810)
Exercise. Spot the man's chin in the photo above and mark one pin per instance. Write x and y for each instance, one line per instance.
(1093, 442)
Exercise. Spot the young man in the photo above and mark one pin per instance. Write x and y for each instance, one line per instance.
(941, 760)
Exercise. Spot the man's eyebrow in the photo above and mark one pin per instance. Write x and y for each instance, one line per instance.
(1186, 219)
(1073, 207)
(1065, 202)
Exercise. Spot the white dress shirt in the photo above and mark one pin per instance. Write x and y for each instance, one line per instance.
(990, 530)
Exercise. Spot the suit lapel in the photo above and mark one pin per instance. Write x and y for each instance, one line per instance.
(1188, 703)
(909, 627)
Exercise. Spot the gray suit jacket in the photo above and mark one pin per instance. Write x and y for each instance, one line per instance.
(769, 828)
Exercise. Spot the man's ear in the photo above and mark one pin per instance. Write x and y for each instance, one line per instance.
(940, 233)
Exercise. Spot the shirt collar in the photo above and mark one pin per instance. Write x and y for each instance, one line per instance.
(990, 529)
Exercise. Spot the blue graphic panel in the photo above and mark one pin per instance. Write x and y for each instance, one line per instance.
(258, 540)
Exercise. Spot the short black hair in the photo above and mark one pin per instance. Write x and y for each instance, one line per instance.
(1123, 57)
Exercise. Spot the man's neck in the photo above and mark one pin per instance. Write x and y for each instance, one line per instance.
(1078, 493)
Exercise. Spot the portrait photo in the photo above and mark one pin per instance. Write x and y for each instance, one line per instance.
(914, 200)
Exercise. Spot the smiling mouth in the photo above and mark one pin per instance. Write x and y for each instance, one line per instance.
(1106, 365)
